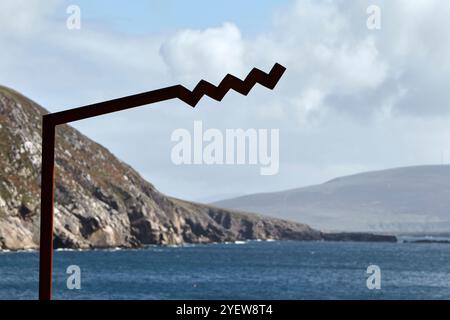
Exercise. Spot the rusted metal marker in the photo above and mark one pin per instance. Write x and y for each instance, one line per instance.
(50, 121)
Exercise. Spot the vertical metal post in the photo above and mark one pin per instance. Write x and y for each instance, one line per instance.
(50, 121)
(47, 196)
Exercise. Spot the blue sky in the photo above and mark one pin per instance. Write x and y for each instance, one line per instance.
(147, 16)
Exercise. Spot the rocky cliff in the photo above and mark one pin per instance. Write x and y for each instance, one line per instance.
(101, 201)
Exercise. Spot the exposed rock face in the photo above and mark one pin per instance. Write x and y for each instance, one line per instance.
(99, 200)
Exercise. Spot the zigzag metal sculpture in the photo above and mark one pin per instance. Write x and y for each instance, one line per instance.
(231, 82)
(50, 121)
(190, 97)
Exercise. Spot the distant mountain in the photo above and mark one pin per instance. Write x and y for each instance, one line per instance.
(410, 199)
(101, 201)
(218, 197)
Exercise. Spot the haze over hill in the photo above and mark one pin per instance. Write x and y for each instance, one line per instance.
(409, 199)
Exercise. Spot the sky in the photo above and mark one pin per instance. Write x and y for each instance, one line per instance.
(352, 99)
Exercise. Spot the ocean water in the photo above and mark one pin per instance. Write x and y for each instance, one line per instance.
(251, 270)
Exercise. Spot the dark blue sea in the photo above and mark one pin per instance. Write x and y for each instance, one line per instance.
(251, 270)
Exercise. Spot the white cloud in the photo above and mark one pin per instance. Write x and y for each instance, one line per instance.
(310, 105)
(213, 52)
(25, 17)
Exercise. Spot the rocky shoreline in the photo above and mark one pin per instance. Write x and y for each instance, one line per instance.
(426, 241)
(359, 237)
(336, 237)
(101, 202)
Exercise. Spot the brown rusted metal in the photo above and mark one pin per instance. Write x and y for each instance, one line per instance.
(50, 121)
